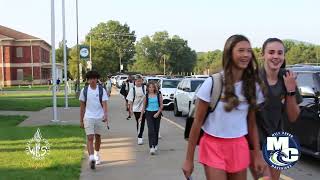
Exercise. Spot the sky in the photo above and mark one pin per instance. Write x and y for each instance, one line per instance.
(205, 24)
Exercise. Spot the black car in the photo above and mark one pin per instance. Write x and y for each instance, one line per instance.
(307, 127)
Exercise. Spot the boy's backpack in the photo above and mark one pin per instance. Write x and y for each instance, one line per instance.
(134, 92)
(216, 90)
(85, 93)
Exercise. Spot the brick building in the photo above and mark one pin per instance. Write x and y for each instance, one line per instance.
(23, 57)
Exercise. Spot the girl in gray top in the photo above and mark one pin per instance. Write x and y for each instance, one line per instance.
(281, 95)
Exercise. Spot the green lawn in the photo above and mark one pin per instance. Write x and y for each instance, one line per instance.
(33, 101)
(63, 161)
(36, 88)
(36, 104)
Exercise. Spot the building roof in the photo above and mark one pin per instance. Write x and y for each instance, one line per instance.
(6, 32)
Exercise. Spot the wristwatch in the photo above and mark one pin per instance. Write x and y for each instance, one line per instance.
(292, 93)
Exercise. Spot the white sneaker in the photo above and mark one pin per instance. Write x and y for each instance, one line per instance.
(156, 148)
(140, 141)
(97, 158)
(152, 151)
(92, 162)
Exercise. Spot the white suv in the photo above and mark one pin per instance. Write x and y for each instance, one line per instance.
(168, 88)
(184, 94)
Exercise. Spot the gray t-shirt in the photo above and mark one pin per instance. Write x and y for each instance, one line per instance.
(272, 113)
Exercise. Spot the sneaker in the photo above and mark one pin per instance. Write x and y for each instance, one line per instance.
(156, 148)
(92, 162)
(152, 151)
(140, 141)
(97, 158)
(129, 118)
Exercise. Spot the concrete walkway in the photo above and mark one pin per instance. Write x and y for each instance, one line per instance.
(123, 159)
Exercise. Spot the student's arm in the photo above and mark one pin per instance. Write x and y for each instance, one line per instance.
(105, 111)
(253, 138)
(161, 106)
(201, 111)
(82, 111)
(143, 107)
(292, 106)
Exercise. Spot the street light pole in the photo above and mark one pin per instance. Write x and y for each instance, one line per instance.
(164, 64)
(65, 55)
(78, 56)
(54, 98)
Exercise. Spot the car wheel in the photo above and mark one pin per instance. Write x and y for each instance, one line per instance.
(175, 109)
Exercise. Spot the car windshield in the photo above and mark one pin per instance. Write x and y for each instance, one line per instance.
(123, 78)
(155, 80)
(170, 83)
(195, 84)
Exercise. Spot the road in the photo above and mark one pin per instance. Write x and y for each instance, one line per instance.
(307, 168)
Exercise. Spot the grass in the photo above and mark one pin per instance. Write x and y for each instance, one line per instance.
(36, 104)
(33, 101)
(35, 88)
(63, 161)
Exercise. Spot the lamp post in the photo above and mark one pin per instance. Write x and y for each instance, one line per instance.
(78, 56)
(65, 55)
(54, 98)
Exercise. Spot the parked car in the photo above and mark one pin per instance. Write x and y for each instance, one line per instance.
(120, 80)
(149, 78)
(184, 94)
(200, 76)
(307, 127)
(168, 88)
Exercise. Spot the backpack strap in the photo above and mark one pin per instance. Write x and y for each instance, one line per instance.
(134, 93)
(147, 100)
(85, 93)
(100, 93)
(158, 97)
(216, 90)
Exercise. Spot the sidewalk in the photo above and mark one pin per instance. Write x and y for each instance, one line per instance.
(123, 159)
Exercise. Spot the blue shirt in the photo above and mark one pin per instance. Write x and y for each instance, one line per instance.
(153, 104)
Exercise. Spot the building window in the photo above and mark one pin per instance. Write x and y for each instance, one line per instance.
(20, 74)
(19, 52)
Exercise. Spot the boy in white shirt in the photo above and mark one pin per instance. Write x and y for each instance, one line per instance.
(93, 113)
(135, 100)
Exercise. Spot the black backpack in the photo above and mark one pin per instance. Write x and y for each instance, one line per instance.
(123, 91)
(85, 93)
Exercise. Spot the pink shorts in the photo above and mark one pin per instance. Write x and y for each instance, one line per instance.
(229, 154)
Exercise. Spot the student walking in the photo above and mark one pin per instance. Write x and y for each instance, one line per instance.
(282, 96)
(230, 126)
(135, 99)
(93, 115)
(152, 108)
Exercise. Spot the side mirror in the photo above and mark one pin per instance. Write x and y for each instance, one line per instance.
(186, 89)
(307, 91)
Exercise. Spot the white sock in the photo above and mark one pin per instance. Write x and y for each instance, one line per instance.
(91, 157)
(96, 153)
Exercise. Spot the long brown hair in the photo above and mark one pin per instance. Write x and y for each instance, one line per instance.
(249, 77)
(154, 84)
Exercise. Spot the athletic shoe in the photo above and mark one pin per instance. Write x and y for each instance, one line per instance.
(156, 148)
(97, 158)
(92, 162)
(129, 118)
(152, 151)
(140, 141)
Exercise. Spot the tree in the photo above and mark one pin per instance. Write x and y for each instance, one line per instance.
(152, 52)
(110, 42)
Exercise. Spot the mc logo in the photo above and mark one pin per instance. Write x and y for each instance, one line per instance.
(281, 151)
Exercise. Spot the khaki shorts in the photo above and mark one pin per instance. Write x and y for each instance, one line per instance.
(94, 126)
